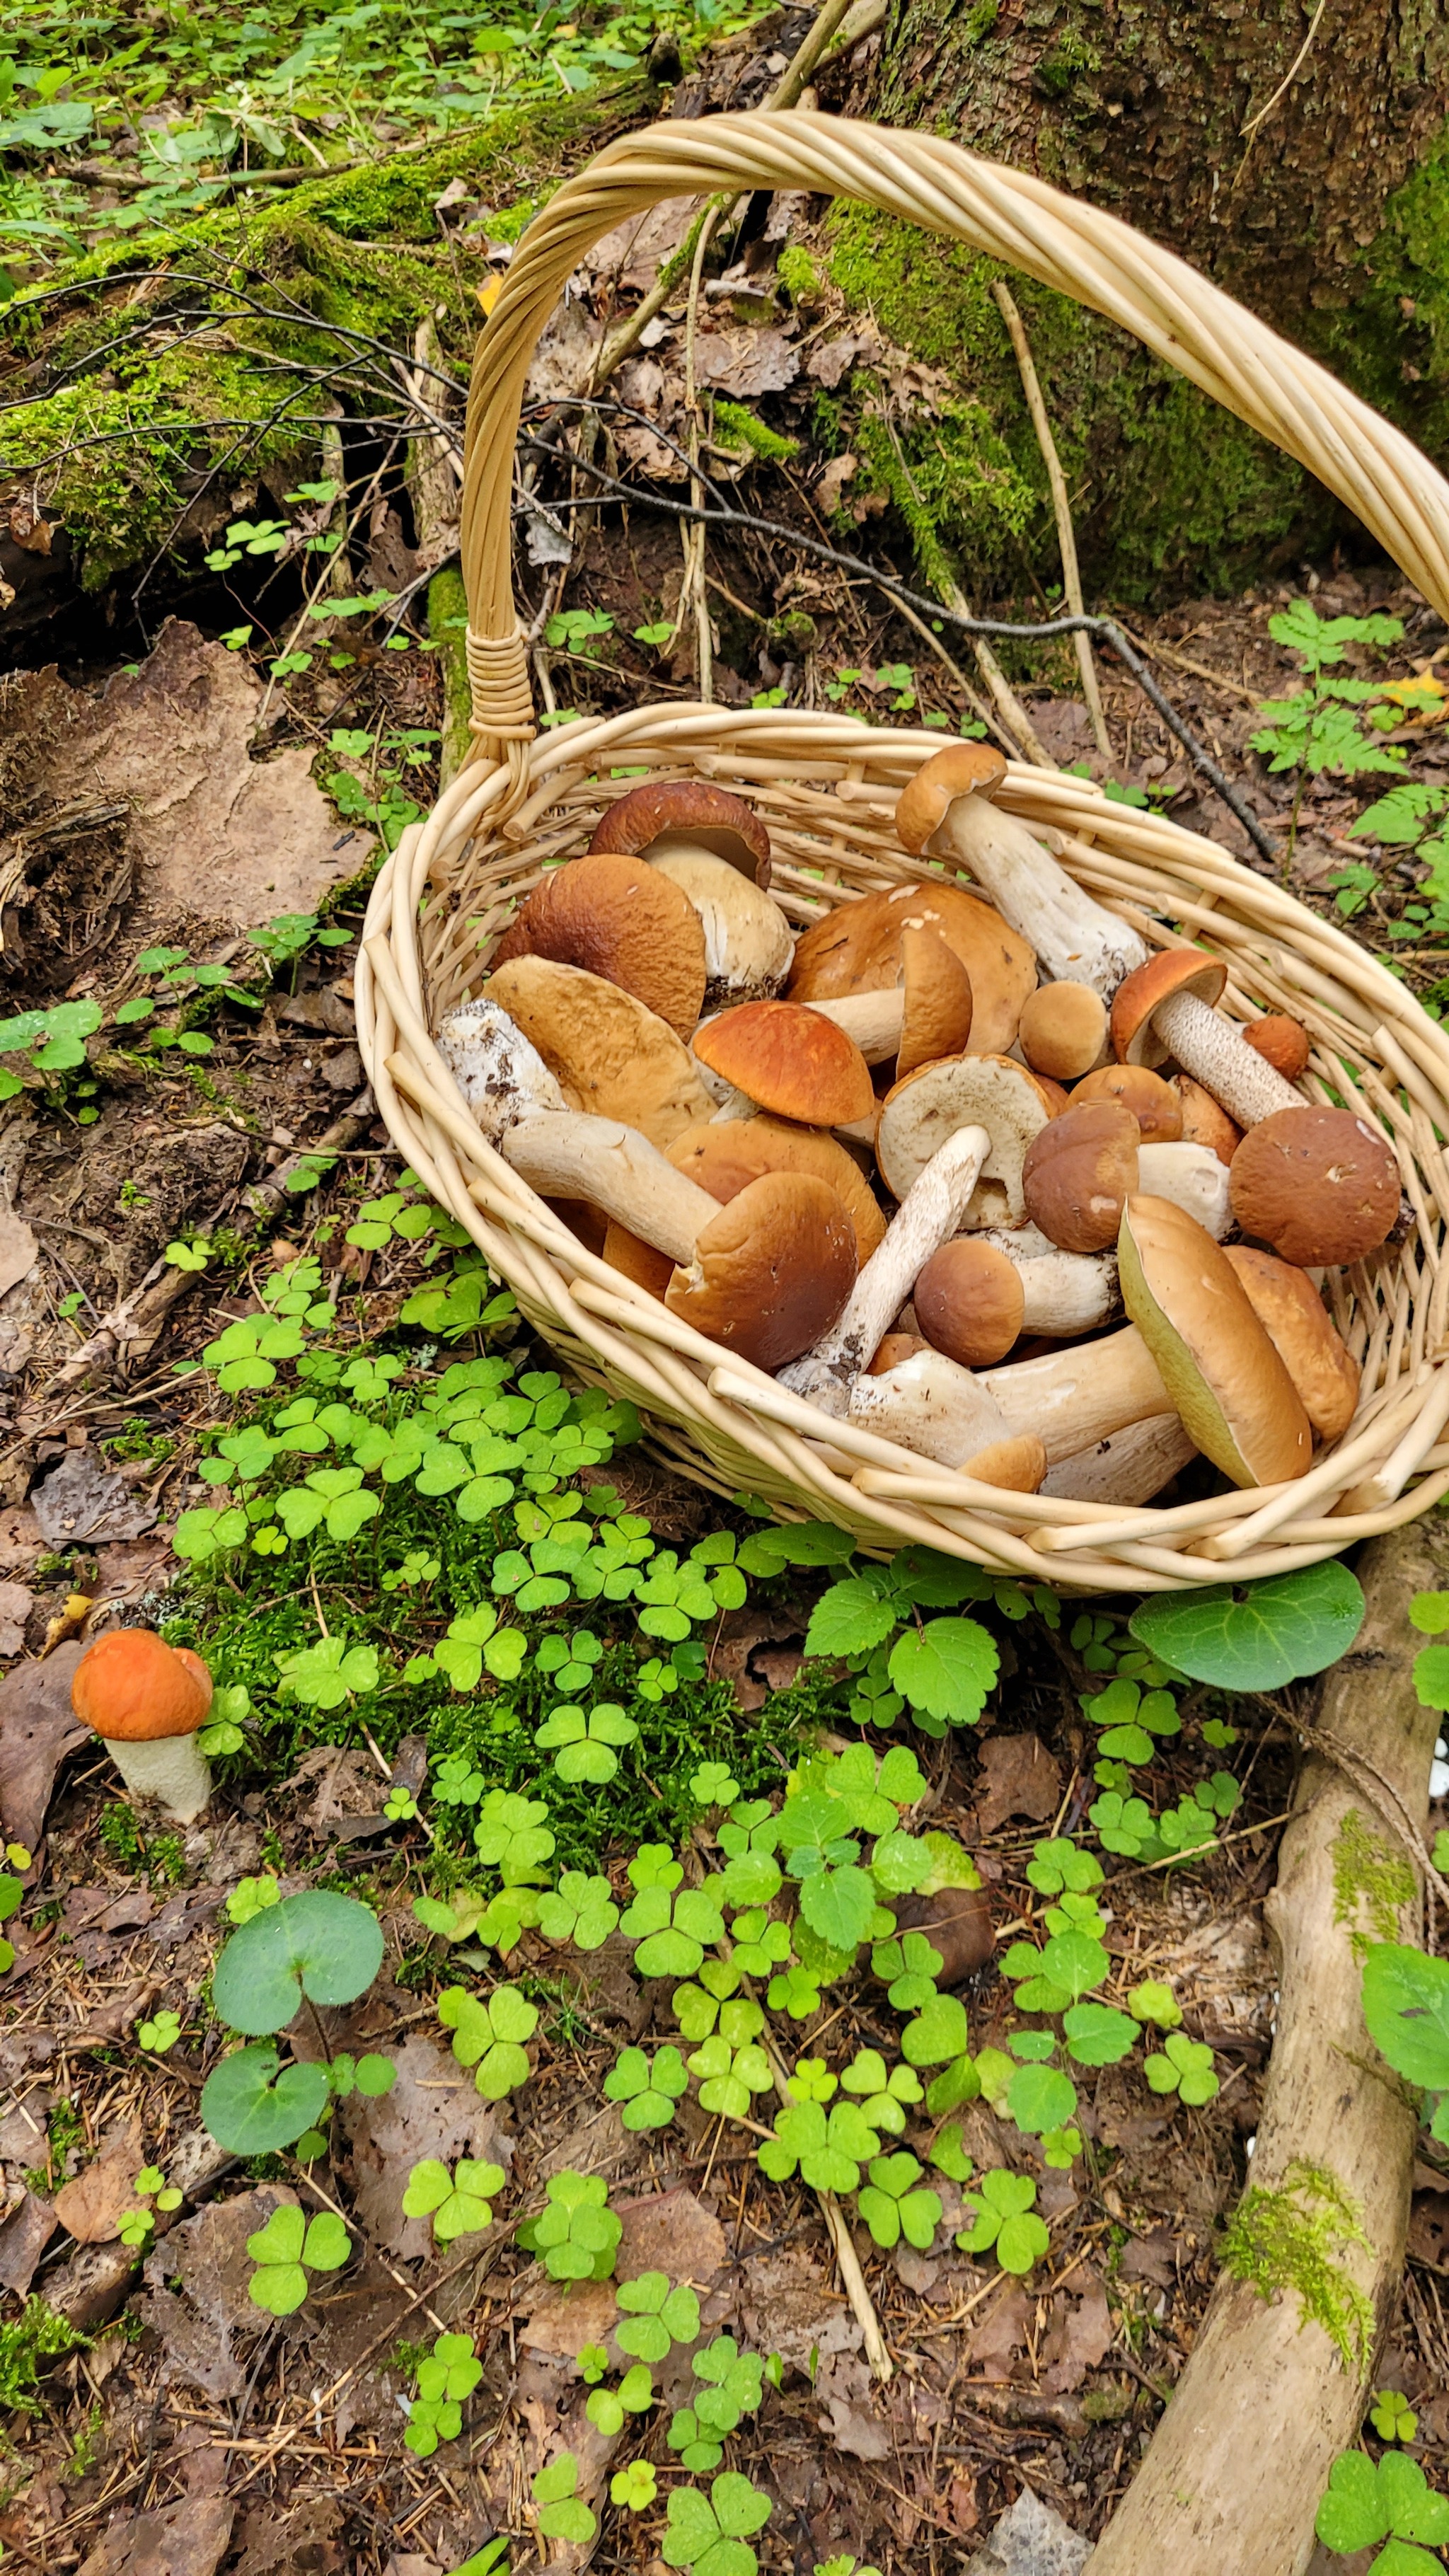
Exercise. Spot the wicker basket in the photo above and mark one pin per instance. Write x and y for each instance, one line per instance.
(827, 788)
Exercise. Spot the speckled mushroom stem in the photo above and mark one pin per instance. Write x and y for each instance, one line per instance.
(1128, 1467)
(929, 1214)
(1075, 937)
(170, 1771)
(1214, 1051)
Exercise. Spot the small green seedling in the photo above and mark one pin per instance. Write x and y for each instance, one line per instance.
(1005, 2221)
(490, 2036)
(648, 2089)
(606, 2408)
(883, 2095)
(586, 1739)
(828, 2148)
(564, 2514)
(325, 1947)
(445, 2380)
(1390, 2500)
(135, 2227)
(580, 1909)
(253, 1896)
(730, 2078)
(577, 2235)
(892, 2207)
(459, 2203)
(714, 1785)
(655, 2316)
(1392, 2417)
(159, 2034)
(634, 2488)
(709, 2534)
(1184, 2068)
(286, 2249)
(1155, 2002)
(732, 2385)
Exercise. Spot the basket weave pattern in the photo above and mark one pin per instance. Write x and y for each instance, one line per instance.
(827, 789)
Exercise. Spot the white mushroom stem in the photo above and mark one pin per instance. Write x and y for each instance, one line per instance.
(873, 1020)
(1075, 937)
(1065, 1292)
(1073, 1398)
(171, 1772)
(930, 1404)
(1214, 1051)
(928, 1216)
(1129, 1467)
(1192, 1178)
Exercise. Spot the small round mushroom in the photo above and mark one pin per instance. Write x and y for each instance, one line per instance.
(920, 1112)
(609, 1053)
(1319, 1185)
(1166, 1009)
(147, 1701)
(1063, 1031)
(1281, 1042)
(1217, 1363)
(622, 921)
(725, 1155)
(893, 1348)
(857, 949)
(970, 1303)
(789, 1061)
(772, 1271)
(1203, 1122)
(668, 814)
(947, 810)
(1153, 1103)
(1292, 1315)
(1079, 1172)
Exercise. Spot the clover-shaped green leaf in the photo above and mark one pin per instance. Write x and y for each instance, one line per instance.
(648, 2089)
(733, 2383)
(286, 2249)
(730, 2077)
(564, 2514)
(490, 2035)
(709, 2535)
(1391, 2500)
(759, 1946)
(883, 2095)
(892, 2207)
(1005, 2219)
(607, 2407)
(909, 1968)
(513, 1836)
(634, 2487)
(586, 1740)
(714, 1784)
(1041, 2098)
(1392, 2417)
(939, 2031)
(1132, 1717)
(812, 2081)
(1056, 1866)
(581, 1909)
(829, 2148)
(325, 1946)
(577, 2234)
(459, 2203)
(699, 2449)
(656, 2315)
(673, 1928)
(252, 2109)
(1185, 2067)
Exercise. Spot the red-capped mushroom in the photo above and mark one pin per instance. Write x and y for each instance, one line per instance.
(147, 1702)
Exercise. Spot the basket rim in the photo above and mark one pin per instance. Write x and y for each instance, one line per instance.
(1045, 1538)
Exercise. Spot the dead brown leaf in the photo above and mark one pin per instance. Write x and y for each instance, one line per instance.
(832, 483)
(1080, 2334)
(80, 1500)
(843, 2383)
(24, 2236)
(630, 255)
(1018, 1778)
(20, 1539)
(186, 2539)
(669, 2231)
(18, 1249)
(746, 360)
(199, 2324)
(134, 1565)
(433, 2109)
(300, 2543)
(92, 2205)
(1003, 2329)
(37, 1730)
(16, 1603)
(22, 2129)
(788, 2306)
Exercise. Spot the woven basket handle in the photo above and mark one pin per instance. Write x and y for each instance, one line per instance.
(1213, 341)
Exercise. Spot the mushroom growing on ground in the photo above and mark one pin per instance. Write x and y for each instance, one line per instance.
(717, 851)
(1063, 1031)
(973, 1301)
(610, 1055)
(1166, 1009)
(1319, 1185)
(779, 1057)
(947, 811)
(1292, 1315)
(1220, 1369)
(147, 1701)
(766, 1275)
(990, 1091)
(622, 921)
(856, 949)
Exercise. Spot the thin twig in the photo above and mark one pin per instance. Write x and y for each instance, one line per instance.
(1057, 483)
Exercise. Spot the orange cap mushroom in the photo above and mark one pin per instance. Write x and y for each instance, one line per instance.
(146, 1700)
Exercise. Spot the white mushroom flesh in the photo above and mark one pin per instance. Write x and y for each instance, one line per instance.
(171, 1772)
(930, 1404)
(873, 1020)
(1073, 1398)
(1129, 1467)
(497, 1069)
(1076, 938)
(748, 943)
(1068, 1292)
(1192, 1178)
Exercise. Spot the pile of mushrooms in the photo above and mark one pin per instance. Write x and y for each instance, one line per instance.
(960, 1165)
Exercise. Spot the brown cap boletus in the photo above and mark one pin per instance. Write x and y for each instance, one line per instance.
(1153, 1103)
(1167, 1008)
(670, 813)
(857, 949)
(1281, 1042)
(1291, 1312)
(1204, 1122)
(622, 921)
(970, 1302)
(1080, 1172)
(770, 1273)
(1063, 1030)
(1319, 1185)
(938, 1004)
(609, 1054)
(1172, 970)
(1219, 1367)
(147, 1700)
(724, 1157)
(789, 1061)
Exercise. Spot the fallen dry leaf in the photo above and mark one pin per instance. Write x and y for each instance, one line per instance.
(433, 2109)
(18, 1249)
(843, 2383)
(20, 1539)
(24, 2236)
(299, 2543)
(135, 1565)
(1080, 2334)
(1031, 2540)
(16, 1603)
(1018, 1778)
(186, 2539)
(789, 2307)
(1003, 2329)
(91, 2206)
(198, 2325)
(745, 361)
(80, 1499)
(669, 2231)
(38, 1728)
(832, 483)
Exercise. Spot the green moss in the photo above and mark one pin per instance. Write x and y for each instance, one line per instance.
(737, 426)
(447, 622)
(1286, 2240)
(798, 274)
(1372, 1876)
(27, 2344)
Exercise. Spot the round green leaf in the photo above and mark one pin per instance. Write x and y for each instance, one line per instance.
(1256, 1636)
(1041, 2098)
(252, 2111)
(280, 2288)
(324, 1946)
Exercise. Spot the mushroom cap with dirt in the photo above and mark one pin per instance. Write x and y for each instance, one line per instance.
(921, 1111)
(619, 919)
(1154, 1104)
(1224, 1376)
(724, 1156)
(1292, 1314)
(1319, 1185)
(610, 1055)
(856, 948)
(667, 814)
(147, 1701)
(1063, 1031)
(790, 1061)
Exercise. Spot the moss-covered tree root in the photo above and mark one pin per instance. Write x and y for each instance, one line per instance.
(1311, 2259)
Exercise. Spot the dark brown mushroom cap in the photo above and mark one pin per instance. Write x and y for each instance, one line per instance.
(1172, 970)
(687, 809)
(1319, 1185)
(1080, 1172)
(1154, 1104)
(1291, 1312)
(135, 1689)
(790, 1060)
(1281, 1042)
(969, 1302)
(938, 1002)
(623, 921)
(771, 1272)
